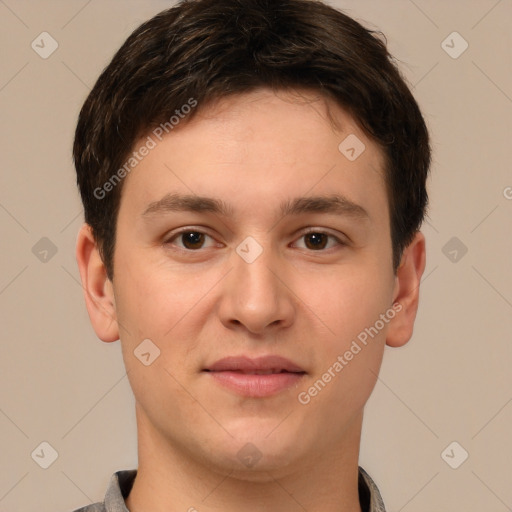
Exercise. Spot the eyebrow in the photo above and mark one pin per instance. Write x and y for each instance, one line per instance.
(333, 203)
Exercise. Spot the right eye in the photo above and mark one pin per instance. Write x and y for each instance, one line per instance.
(190, 239)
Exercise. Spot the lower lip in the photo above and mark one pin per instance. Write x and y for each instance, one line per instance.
(257, 386)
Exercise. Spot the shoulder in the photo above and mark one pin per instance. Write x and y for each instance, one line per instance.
(118, 489)
(95, 507)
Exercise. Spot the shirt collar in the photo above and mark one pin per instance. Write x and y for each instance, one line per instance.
(121, 484)
(376, 503)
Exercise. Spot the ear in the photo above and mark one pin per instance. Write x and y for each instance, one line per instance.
(98, 290)
(407, 289)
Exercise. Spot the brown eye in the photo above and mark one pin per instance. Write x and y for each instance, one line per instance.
(192, 239)
(316, 240)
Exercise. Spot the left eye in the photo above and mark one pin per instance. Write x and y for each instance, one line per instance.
(317, 240)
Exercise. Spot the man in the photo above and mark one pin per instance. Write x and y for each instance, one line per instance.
(253, 178)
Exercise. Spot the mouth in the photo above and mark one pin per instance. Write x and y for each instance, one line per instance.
(258, 372)
(256, 377)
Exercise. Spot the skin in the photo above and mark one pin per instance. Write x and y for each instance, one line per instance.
(198, 305)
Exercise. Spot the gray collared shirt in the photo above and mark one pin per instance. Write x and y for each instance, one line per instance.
(121, 483)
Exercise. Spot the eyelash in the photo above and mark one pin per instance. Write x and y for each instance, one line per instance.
(310, 231)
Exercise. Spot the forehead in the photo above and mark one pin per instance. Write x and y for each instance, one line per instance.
(260, 145)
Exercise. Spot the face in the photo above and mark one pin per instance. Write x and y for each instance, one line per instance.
(256, 255)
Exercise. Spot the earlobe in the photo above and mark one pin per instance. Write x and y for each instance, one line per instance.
(408, 278)
(98, 290)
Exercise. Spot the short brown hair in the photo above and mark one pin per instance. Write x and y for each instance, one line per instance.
(209, 49)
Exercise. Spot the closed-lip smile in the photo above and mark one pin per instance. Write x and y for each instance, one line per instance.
(256, 377)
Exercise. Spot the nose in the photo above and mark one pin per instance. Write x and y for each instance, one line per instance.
(256, 295)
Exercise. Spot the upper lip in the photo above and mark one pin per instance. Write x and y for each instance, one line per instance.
(249, 364)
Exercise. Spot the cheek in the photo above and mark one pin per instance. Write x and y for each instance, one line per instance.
(348, 302)
(351, 351)
(161, 302)
(351, 306)
(149, 295)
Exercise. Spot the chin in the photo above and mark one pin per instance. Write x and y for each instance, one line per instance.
(254, 465)
(257, 452)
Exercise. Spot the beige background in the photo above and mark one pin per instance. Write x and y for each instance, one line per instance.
(452, 382)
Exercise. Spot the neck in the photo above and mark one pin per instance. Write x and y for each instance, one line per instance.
(171, 480)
